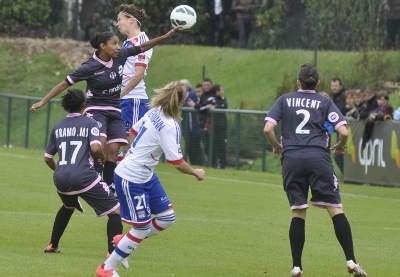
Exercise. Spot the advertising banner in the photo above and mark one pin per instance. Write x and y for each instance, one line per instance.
(378, 162)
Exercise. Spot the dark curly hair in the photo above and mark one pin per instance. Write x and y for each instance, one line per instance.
(73, 100)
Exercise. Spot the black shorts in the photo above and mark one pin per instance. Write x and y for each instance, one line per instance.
(99, 197)
(310, 168)
(110, 124)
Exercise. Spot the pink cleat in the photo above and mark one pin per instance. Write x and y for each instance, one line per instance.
(101, 272)
(356, 269)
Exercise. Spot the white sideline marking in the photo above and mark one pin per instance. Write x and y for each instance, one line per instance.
(275, 185)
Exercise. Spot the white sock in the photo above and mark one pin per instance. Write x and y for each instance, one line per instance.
(126, 246)
(161, 222)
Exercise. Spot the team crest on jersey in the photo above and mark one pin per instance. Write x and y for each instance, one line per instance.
(95, 131)
(134, 40)
(89, 94)
(333, 117)
(141, 214)
(141, 57)
(113, 75)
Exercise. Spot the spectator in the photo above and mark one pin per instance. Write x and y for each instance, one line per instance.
(140, 192)
(203, 107)
(219, 127)
(307, 165)
(216, 14)
(191, 130)
(350, 104)
(385, 111)
(358, 102)
(245, 10)
(338, 97)
(94, 26)
(391, 10)
(369, 106)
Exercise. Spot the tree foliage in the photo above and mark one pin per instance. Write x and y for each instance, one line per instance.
(303, 24)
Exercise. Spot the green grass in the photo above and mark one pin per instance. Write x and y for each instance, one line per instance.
(234, 223)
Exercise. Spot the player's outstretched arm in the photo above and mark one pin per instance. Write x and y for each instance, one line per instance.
(153, 42)
(184, 167)
(50, 95)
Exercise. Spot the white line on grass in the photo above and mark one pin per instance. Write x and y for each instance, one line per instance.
(275, 185)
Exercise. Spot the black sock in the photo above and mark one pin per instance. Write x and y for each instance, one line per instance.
(108, 172)
(343, 234)
(114, 227)
(60, 224)
(297, 236)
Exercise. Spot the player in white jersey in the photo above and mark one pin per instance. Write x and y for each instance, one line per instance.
(134, 99)
(139, 190)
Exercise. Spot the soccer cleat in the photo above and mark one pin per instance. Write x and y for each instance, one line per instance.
(116, 239)
(296, 272)
(356, 269)
(101, 272)
(50, 249)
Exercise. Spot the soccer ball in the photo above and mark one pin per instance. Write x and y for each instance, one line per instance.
(183, 15)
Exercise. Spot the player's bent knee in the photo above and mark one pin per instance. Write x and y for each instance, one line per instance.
(164, 220)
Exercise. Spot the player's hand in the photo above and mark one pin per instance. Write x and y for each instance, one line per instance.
(36, 106)
(277, 151)
(172, 31)
(338, 149)
(200, 174)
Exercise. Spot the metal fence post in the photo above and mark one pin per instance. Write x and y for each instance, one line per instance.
(27, 123)
(9, 122)
(237, 148)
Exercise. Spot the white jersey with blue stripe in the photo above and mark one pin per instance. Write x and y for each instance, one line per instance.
(155, 134)
(129, 71)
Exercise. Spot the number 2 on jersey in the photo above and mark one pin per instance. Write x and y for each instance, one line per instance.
(63, 147)
(299, 129)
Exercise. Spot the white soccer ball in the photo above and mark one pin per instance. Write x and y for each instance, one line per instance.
(183, 15)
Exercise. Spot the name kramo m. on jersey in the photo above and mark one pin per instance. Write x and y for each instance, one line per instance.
(71, 132)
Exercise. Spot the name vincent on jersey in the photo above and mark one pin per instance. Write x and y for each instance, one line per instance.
(303, 103)
(71, 132)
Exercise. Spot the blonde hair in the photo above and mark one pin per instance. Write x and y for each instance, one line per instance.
(169, 98)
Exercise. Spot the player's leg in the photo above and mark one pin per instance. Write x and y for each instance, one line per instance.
(70, 202)
(326, 194)
(296, 187)
(161, 207)
(103, 202)
(135, 211)
(116, 138)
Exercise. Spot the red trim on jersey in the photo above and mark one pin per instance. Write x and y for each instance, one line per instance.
(132, 238)
(141, 64)
(155, 225)
(133, 131)
(181, 160)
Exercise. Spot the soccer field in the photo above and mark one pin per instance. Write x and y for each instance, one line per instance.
(234, 223)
